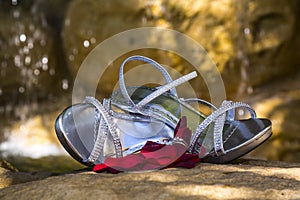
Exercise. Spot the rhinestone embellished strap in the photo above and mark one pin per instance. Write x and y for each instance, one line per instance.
(218, 130)
(106, 126)
(165, 88)
(147, 60)
(218, 117)
(101, 133)
(200, 101)
(97, 152)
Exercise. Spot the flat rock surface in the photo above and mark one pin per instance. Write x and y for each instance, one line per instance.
(245, 179)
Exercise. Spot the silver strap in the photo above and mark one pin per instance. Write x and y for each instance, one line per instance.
(218, 116)
(200, 101)
(106, 126)
(147, 60)
(218, 130)
(165, 88)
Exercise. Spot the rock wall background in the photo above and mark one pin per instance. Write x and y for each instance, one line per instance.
(255, 45)
(254, 41)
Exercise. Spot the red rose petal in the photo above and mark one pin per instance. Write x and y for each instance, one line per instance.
(154, 155)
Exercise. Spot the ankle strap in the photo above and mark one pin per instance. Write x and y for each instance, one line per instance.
(171, 85)
(165, 88)
(147, 60)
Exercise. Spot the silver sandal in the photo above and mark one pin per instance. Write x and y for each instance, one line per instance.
(122, 124)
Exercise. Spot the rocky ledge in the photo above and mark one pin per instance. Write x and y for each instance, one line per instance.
(244, 179)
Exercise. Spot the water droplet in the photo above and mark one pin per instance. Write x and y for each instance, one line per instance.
(250, 90)
(8, 108)
(22, 37)
(27, 60)
(4, 64)
(30, 44)
(52, 72)
(67, 22)
(35, 81)
(71, 57)
(23, 72)
(14, 2)
(17, 61)
(45, 67)
(31, 27)
(144, 20)
(44, 22)
(29, 72)
(26, 50)
(241, 112)
(239, 54)
(86, 43)
(89, 32)
(45, 60)
(75, 51)
(37, 34)
(247, 31)
(16, 14)
(21, 89)
(17, 40)
(43, 43)
(39, 64)
(36, 72)
(21, 52)
(65, 84)
(93, 40)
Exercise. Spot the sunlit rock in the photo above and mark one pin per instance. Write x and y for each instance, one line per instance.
(249, 179)
(9, 177)
(251, 42)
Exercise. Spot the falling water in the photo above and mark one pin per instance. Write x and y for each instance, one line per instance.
(31, 80)
(244, 32)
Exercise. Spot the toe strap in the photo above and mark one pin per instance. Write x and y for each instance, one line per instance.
(105, 126)
(218, 117)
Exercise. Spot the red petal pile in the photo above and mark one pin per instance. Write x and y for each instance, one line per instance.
(154, 155)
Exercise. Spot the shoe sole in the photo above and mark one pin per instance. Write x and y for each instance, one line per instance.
(240, 150)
